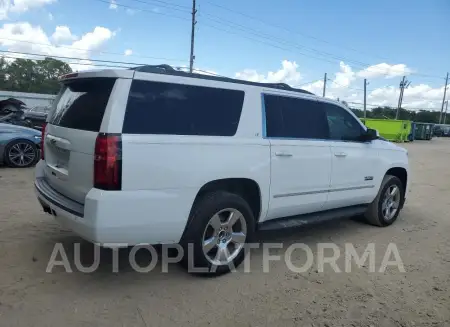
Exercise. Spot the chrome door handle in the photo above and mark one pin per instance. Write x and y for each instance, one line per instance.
(283, 154)
(340, 154)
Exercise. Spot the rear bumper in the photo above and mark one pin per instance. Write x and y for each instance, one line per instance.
(120, 218)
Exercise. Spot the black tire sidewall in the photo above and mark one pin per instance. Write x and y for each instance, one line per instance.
(392, 180)
(11, 144)
(203, 210)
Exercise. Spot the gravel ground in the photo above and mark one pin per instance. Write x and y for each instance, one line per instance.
(418, 297)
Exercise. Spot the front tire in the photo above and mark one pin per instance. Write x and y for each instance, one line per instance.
(384, 210)
(21, 154)
(219, 226)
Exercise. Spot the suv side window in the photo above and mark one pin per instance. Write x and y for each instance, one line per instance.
(294, 118)
(342, 125)
(178, 109)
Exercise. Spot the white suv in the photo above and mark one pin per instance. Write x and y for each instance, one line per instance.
(154, 155)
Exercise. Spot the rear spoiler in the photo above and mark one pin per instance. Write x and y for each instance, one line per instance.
(113, 73)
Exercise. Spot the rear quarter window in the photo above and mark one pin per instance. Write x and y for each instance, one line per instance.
(177, 109)
(81, 103)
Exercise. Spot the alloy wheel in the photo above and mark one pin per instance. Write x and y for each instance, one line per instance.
(224, 236)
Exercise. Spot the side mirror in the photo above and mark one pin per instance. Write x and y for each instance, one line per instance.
(370, 135)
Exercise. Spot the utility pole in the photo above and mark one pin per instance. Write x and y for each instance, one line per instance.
(445, 115)
(365, 92)
(191, 61)
(443, 100)
(403, 85)
(324, 84)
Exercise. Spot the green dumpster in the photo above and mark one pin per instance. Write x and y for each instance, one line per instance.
(390, 129)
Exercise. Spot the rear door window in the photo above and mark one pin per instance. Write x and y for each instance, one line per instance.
(177, 109)
(81, 104)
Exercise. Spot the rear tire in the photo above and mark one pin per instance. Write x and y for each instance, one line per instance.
(21, 154)
(384, 210)
(219, 220)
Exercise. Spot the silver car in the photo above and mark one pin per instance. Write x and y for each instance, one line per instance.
(19, 146)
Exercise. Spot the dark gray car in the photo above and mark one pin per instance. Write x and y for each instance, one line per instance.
(19, 146)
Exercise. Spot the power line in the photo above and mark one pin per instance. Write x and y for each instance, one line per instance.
(73, 63)
(263, 36)
(254, 32)
(165, 4)
(88, 50)
(266, 43)
(74, 58)
(283, 41)
(144, 10)
(283, 28)
(339, 84)
(308, 36)
(309, 83)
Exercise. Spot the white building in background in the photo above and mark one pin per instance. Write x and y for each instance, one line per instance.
(30, 99)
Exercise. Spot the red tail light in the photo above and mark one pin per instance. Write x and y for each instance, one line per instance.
(108, 162)
(44, 127)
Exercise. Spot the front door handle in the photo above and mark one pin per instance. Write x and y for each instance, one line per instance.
(283, 154)
(340, 154)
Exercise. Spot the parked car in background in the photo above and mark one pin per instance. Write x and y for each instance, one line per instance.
(37, 116)
(19, 145)
(441, 130)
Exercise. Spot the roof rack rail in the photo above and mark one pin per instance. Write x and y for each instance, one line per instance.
(169, 70)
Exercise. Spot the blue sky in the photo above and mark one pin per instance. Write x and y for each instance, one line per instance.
(341, 38)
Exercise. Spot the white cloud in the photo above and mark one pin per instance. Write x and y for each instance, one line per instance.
(287, 74)
(344, 77)
(50, 16)
(20, 6)
(419, 96)
(314, 87)
(343, 86)
(384, 70)
(113, 5)
(62, 34)
(130, 11)
(128, 52)
(24, 37)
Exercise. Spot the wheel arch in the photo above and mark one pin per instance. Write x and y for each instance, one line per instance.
(247, 188)
(401, 173)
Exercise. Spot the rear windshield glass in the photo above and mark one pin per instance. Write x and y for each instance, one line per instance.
(82, 103)
(164, 108)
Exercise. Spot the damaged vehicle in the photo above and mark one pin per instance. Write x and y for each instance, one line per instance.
(13, 111)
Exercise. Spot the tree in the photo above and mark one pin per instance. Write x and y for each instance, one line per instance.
(422, 116)
(25, 75)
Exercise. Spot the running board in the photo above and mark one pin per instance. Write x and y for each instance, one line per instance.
(312, 218)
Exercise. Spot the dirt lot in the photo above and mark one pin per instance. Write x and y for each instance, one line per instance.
(419, 297)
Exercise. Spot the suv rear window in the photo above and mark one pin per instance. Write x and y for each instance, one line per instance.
(81, 104)
(164, 108)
